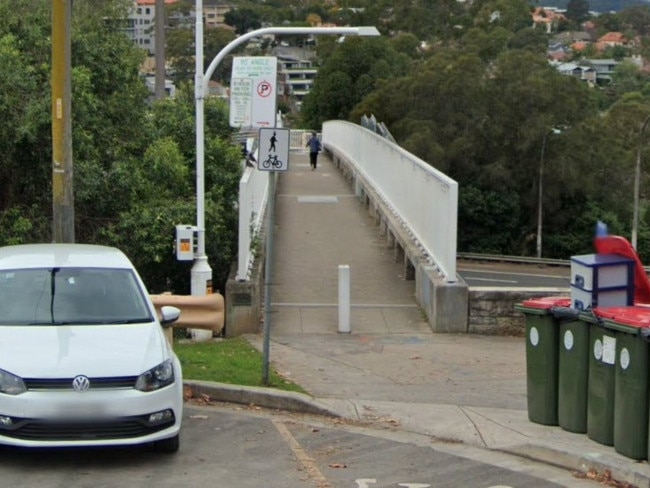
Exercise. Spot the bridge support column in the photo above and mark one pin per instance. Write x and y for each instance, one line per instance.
(390, 239)
(445, 304)
(399, 253)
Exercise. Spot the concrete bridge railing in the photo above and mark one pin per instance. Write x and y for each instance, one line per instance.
(424, 199)
(416, 207)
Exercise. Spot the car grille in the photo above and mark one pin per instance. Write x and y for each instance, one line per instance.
(123, 428)
(112, 383)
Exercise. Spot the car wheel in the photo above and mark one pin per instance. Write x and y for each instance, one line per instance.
(168, 446)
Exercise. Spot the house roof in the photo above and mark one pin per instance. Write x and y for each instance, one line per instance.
(579, 46)
(603, 62)
(153, 2)
(557, 55)
(613, 37)
(546, 15)
(572, 36)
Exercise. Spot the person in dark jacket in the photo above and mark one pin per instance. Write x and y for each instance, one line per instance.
(314, 148)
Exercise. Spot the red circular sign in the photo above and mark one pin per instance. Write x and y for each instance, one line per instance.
(264, 89)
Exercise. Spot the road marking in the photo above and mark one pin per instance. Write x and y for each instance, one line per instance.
(317, 199)
(365, 482)
(308, 462)
(354, 305)
(472, 270)
(488, 279)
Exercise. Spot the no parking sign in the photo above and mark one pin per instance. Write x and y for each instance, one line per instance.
(253, 91)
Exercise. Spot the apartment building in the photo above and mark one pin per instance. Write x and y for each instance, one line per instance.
(214, 13)
(296, 76)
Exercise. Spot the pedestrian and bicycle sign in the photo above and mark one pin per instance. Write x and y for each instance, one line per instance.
(273, 150)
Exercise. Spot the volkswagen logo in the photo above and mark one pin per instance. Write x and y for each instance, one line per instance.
(80, 383)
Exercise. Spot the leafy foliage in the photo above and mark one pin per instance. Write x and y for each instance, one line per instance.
(134, 164)
(348, 74)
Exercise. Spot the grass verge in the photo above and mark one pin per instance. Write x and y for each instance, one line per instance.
(233, 361)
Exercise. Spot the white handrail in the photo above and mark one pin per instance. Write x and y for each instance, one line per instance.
(423, 198)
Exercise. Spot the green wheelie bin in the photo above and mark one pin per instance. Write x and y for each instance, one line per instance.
(602, 374)
(631, 383)
(542, 332)
(573, 374)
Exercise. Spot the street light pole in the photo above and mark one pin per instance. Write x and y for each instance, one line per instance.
(201, 279)
(637, 183)
(540, 190)
(201, 272)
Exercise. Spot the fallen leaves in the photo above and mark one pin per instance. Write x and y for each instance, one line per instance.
(190, 396)
(604, 478)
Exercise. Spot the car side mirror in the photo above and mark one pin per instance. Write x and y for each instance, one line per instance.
(169, 315)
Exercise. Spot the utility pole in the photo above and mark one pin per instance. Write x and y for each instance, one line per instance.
(637, 182)
(62, 174)
(160, 49)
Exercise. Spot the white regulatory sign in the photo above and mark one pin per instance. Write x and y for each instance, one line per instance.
(273, 150)
(253, 91)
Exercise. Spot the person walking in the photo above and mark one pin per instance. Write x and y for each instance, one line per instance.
(314, 148)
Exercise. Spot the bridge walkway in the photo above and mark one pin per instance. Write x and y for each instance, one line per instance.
(319, 225)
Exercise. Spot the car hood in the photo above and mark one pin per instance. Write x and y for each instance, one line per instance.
(91, 350)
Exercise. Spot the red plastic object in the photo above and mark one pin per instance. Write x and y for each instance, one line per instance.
(621, 246)
(632, 316)
(546, 303)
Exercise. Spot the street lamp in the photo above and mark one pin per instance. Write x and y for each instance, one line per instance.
(201, 272)
(540, 192)
(637, 183)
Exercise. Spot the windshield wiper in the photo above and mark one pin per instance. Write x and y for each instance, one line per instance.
(53, 273)
(139, 320)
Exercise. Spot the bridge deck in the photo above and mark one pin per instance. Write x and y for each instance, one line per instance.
(321, 224)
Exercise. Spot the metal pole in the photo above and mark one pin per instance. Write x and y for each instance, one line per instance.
(268, 273)
(160, 50)
(62, 189)
(637, 184)
(539, 198)
(201, 282)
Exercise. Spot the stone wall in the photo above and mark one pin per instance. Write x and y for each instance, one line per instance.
(492, 311)
(244, 299)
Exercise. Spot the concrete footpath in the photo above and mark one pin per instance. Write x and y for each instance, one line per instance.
(391, 368)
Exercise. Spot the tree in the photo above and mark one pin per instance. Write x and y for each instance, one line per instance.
(577, 10)
(347, 75)
(133, 163)
(181, 50)
(512, 15)
(407, 44)
(243, 20)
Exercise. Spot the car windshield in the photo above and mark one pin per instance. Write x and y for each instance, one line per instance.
(59, 296)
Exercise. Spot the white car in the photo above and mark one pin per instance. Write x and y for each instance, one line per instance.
(83, 356)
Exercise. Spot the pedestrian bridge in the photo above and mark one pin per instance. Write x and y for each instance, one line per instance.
(411, 206)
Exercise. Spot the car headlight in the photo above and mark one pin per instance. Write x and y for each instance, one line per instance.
(156, 378)
(11, 384)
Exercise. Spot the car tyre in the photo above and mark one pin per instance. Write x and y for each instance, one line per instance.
(168, 446)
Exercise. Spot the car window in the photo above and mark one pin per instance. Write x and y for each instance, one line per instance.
(71, 296)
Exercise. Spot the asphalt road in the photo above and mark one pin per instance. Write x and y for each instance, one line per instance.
(232, 446)
(504, 275)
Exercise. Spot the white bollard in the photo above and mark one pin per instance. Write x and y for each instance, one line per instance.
(344, 298)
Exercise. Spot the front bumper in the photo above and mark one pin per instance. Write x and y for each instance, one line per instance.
(101, 418)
